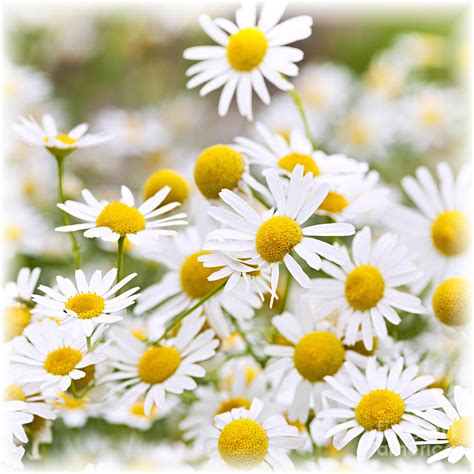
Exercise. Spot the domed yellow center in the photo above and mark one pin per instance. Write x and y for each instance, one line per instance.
(177, 182)
(277, 237)
(63, 138)
(138, 409)
(15, 320)
(364, 287)
(450, 232)
(121, 219)
(243, 444)
(231, 403)
(82, 383)
(246, 49)
(13, 392)
(62, 361)
(288, 163)
(379, 410)
(218, 167)
(69, 402)
(318, 354)
(452, 301)
(334, 203)
(158, 364)
(360, 348)
(460, 433)
(86, 305)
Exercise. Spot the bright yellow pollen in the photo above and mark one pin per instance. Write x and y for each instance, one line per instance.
(460, 433)
(318, 354)
(246, 49)
(364, 287)
(62, 361)
(138, 409)
(194, 275)
(158, 364)
(452, 301)
(86, 305)
(69, 402)
(231, 403)
(288, 163)
(243, 444)
(277, 237)
(334, 202)
(13, 392)
(166, 177)
(379, 410)
(81, 384)
(63, 138)
(218, 167)
(15, 320)
(450, 232)
(122, 219)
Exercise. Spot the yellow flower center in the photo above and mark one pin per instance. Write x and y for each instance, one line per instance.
(218, 167)
(70, 403)
(379, 410)
(81, 384)
(139, 334)
(231, 403)
(460, 433)
(15, 320)
(122, 219)
(318, 354)
(334, 202)
(357, 132)
(158, 364)
(13, 233)
(360, 348)
(177, 182)
(246, 49)
(452, 301)
(364, 287)
(86, 305)
(288, 163)
(63, 138)
(450, 232)
(243, 444)
(277, 237)
(13, 392)
(138, 409)
(62, 361)
(431, 116)
(194, 275)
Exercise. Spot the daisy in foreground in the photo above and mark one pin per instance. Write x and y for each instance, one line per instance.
(379, 404)
(244, 439)
(151, 371)
(120, 219)
(248, 52)
(85, 305)
(265, 240)
(364, 289)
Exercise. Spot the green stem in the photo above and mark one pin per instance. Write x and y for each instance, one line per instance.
(299, 105)
(261, 361)
(75, 245)
(120, 259)
(284, 301)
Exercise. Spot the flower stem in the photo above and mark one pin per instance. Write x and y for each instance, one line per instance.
(261, 361)
(120, 259)
(286, 293)
(299, 105)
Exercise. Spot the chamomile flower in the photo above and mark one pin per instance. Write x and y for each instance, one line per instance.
(15, 418)
(153, 371)
(52, 357)
(266, 240)
(248, 53)
(438, 231)
(364, 290)
(81, 307)
(378, 404)
(111, 221)
(245, 439)
(74, 412)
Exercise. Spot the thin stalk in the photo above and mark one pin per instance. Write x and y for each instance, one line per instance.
(120, 259)
(284, 301)
(299, 105)
(261, 361)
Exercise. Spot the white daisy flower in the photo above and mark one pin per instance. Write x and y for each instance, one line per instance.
(455, 421)
(52, 357)
(438, 231)
(83, 306)
(120, 219)
(11, 453)
(152, 371)
(245, 439)
(74, 412)
(266, 240)
(364, 290)
(248, 53)
(379, 404)
(14, 417)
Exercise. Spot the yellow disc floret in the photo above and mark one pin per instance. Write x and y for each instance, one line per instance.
(121, 219)
(277, 237)
(62, 361)
(86, 305)
(364, 287)
(452, 301)
(450, 232)
(177, 182)
(460, 433)
(81, 384)
(288, 163)
(138, 409)
(379, 410)
(243, 444)
(63, 138)
(158, 364)
(231, 403)
(318, 354)
(246, 49)
(334, 203)
(218, 167)
(69, 402)
(15, 320)
(13, 392)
